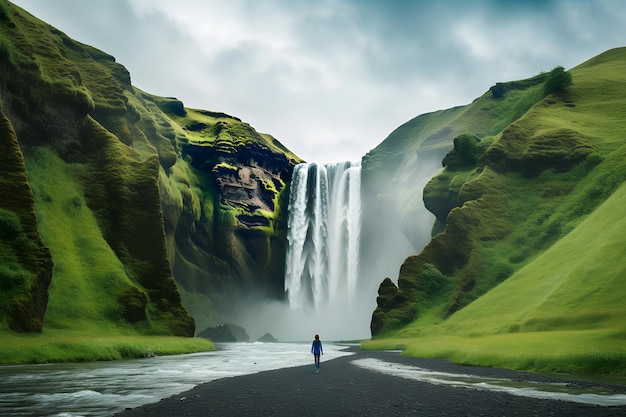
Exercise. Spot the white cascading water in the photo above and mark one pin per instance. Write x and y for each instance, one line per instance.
(336, 256)
(329, 290)
(323, 239)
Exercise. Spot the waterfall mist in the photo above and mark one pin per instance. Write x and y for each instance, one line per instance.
(323, 284)
(395, 221)
(341, 245)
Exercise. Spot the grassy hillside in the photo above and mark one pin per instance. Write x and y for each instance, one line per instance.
(530, 255)
(67, 99)
(562, 312)
(577, 283)
(396, 172)
(119, 202)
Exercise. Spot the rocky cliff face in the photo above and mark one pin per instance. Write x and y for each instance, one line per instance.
(138, 199)
(227, 241)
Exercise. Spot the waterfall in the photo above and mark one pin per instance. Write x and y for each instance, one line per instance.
(341, 244)
(324, 231)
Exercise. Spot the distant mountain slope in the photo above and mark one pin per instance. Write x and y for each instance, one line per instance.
(137, 198)
(517, 206)
(395, 218)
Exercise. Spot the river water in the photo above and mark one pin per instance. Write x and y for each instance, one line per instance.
(561, 391)
(104, 388)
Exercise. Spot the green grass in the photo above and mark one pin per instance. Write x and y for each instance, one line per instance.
(572, 352)
(581, 276)
(562, 312)
(75, 346)
(87, 275)
(546, 292)
(110, 176)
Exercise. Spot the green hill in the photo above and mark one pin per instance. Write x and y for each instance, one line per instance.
(392, 194)
(530, 254)
(122, 214)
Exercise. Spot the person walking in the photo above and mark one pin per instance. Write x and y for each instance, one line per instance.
(317, 350)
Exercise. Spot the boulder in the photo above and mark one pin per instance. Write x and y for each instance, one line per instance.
(267, 338)
(219, 333)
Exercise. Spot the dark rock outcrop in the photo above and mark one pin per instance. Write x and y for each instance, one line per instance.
(239, 332)
(225, 333)
(267, 338)
(219, 333)
(235, 245)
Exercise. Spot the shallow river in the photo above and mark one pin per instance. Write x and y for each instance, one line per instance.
(105, 388)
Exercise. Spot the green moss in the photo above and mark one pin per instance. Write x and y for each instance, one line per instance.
(467, 150)
(133, 302)
(441, 193)
(225, 133)
(5, 15)
(15, 280)
(227, 166)
(26, 266)
(526, 233)
(7, 50)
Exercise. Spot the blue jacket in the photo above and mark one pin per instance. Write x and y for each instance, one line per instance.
(316, 347)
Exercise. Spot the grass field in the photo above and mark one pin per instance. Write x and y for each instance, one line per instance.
(76, 346)
(591, 352)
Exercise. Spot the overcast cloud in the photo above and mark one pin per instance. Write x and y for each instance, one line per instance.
(331, 79)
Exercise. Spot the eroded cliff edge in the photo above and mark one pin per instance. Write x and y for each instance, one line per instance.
(136, 210)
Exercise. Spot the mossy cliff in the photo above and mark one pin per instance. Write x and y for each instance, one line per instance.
(26, 264)
(225, 212)
(527, 163)
(113, 201)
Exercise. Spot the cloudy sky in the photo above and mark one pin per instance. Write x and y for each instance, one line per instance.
(332, 78)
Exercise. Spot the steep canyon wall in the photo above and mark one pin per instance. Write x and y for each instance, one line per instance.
(117, 203)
